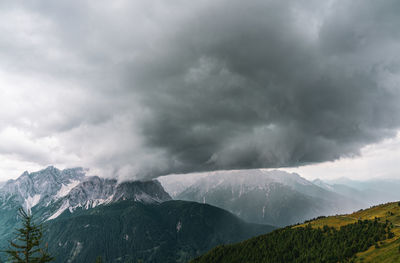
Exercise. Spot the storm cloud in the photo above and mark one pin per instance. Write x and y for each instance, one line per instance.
(140, 89)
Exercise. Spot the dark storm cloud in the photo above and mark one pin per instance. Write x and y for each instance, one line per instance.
(144, 89)
(243, 85)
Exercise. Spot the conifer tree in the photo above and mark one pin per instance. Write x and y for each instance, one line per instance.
(26, 248)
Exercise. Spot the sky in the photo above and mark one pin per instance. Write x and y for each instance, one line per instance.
(139, 89)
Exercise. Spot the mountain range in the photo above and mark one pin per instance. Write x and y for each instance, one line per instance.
(174, 218)
(89, 216)
(268, 197)
(370, 192)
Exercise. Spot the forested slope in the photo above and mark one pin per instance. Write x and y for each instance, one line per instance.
(370, 235)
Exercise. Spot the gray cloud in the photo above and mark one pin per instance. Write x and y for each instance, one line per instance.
(143, 89)
(246, 88)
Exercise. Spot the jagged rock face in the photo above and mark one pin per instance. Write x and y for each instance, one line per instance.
(94, 188)
(148, 191)
(95, 191)
(46, 182)
(109, 190)
(33, 191)
(52, 191)
(40, 187)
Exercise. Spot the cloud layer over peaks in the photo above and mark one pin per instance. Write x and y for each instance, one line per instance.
(139, 89)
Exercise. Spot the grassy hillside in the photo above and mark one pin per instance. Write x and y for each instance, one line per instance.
(370, 235)
(388, 250)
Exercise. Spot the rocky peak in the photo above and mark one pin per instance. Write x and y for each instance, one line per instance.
(31, 188)
(95, 191)
(59, 190)
(145, 191)
(100, 190)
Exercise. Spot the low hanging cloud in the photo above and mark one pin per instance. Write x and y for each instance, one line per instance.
(138, 90)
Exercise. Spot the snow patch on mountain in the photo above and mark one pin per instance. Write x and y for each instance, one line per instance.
(31, 201)
(66, 188)
(63, 207)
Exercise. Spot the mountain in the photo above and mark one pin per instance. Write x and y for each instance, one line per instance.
(370, 235)
(371, 192)
(56, 190)
(95, 191)
(86, 217)
(49, 192)
(269, 197)
(129, 231)
(40, 187)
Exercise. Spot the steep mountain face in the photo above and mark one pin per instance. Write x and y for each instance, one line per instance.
(269, 197)
(31, 189)
(38, 189)
(54, 190)
(95, 191)
(50, 192)
(129, 231)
